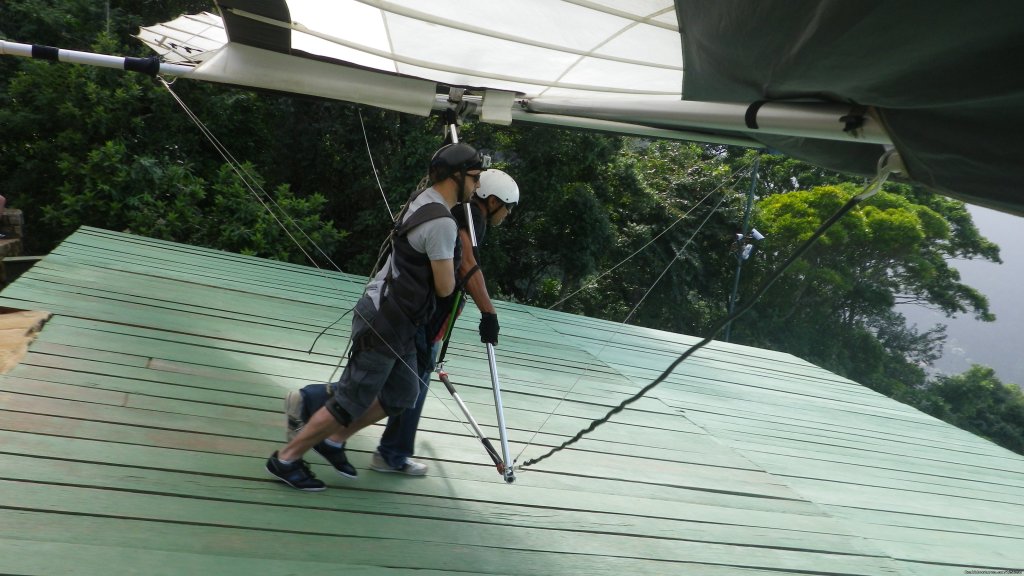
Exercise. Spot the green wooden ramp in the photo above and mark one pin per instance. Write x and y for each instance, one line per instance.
(133, 437)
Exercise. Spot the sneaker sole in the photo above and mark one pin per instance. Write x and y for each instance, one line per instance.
(389, 470)
(279, 479)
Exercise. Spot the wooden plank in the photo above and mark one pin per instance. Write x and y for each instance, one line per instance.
(916, 502)
(94, 442)
(222, 363)
(19, 555)
(91, 335)
(183, 295)
(163, 251)
(44, 366)
(994, 548)
(322, 518)
(112, 396)
(134, 416)
(155, 413)
(440, 415)
(135, 546)
(808, 468)
(360, 500)
(1001, 463)
(972, 451)
(951, 472)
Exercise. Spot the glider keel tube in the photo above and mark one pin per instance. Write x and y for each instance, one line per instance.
(632, 129)
(150, 66)
(474, 105)
(825, 121)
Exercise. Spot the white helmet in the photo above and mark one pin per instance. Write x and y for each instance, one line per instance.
(494, 182)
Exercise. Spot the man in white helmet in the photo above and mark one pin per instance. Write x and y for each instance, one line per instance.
(494, 200)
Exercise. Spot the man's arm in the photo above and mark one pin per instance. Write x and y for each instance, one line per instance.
(477, 288)
(444, 276)
(475, 285)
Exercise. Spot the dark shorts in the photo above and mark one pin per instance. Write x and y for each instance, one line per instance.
(374, 373)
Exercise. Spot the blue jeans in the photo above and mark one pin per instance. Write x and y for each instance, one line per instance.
(398, 441)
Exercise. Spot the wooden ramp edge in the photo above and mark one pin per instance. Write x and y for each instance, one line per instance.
(18, 328)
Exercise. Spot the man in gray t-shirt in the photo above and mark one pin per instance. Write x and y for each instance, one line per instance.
(430, 238)
(381, 377)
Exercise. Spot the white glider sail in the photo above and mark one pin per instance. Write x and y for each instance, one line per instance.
(613, 66)
(831, 83)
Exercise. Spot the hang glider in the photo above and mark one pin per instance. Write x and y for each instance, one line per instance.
(829, 82)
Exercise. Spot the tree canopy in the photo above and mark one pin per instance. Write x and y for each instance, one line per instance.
(842, 292)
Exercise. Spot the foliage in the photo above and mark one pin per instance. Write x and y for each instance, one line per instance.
(834, 306)
(63, 122)
(979, 402)
(166, 200)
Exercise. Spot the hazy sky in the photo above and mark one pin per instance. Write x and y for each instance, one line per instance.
(995, 344)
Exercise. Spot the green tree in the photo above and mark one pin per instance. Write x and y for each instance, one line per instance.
(115, 190)
(834, 307)
(979, 402)
(63, 121)
(688, 199)
(562, 213)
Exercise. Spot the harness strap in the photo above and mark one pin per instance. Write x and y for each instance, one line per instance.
(465, 279)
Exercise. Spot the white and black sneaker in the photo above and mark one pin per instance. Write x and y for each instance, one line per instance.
(410, 468)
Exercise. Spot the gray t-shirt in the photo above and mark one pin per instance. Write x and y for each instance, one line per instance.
(435, 238)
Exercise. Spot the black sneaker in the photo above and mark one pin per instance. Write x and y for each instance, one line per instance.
(336, 457)
(297, 474)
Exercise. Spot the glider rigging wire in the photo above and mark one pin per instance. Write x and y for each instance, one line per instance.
(735, 176)
(644, 247)
(887, 164)
(251, 183)
(373, 166)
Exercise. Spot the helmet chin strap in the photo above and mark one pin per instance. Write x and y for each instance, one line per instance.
(491, 213)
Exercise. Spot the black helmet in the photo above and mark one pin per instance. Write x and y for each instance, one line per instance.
(454, 158)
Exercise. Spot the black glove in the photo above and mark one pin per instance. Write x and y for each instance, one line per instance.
(489, 328)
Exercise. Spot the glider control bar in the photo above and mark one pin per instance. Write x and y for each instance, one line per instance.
(495, 457)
